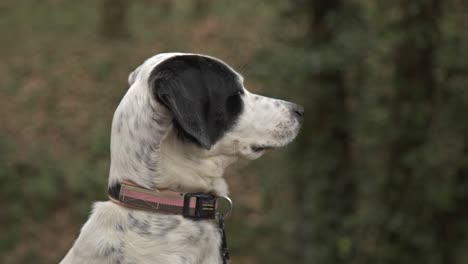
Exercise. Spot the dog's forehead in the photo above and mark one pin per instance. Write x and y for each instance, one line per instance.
(144, 70)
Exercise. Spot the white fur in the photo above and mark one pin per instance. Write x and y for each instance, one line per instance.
(146, 150)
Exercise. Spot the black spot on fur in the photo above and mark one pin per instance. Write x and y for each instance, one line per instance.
(167, 228)
(120, 228)
(183, 259)
(140, 226)
(164, 225)
(120, 122)
(108, 250)
(145, 153)
(113, 251)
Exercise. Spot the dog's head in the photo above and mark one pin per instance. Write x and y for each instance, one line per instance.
(212, 109)
(188, 114)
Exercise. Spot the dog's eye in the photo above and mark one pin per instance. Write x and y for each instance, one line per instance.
(240, 92)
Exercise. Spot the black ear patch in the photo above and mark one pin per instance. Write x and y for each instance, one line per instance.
(202, 93)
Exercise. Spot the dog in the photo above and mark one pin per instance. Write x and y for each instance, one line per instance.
(184, 119)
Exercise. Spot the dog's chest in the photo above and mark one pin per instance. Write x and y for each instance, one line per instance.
(173, 239)
(129, 236)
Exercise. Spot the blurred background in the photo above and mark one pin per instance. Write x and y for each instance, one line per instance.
(379, 173)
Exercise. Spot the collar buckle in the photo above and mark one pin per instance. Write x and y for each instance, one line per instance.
(205, 206)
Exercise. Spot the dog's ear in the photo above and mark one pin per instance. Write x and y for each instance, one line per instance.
(188, 112)
(133, 75)
(201, 93)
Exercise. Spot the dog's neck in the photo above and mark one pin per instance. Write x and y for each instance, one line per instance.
(145, 150)
(186, 167)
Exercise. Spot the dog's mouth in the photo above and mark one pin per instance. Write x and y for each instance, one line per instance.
(257, 148)
(260, 148)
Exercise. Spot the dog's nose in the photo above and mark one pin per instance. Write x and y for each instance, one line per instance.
(298, 112)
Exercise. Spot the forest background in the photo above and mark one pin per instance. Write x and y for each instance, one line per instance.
(379, 173)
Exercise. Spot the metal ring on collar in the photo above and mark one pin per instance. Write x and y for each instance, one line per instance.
(228, 212)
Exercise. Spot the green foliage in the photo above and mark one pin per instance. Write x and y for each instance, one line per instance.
(377, 175)
(380, 167)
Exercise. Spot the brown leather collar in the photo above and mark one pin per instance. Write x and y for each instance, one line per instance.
(190, 205)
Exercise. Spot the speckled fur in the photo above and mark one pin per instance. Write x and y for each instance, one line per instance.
(146, 150)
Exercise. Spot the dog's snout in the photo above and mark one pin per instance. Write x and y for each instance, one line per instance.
(298, 112)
